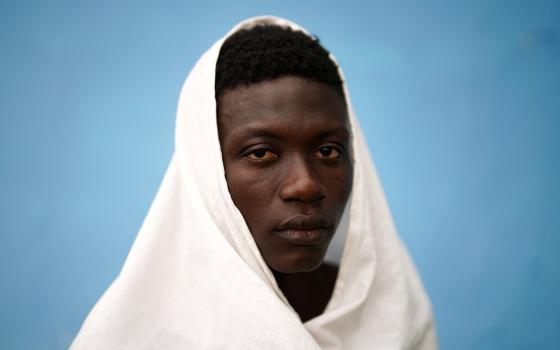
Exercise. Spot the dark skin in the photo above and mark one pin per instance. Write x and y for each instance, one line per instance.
(286, 152)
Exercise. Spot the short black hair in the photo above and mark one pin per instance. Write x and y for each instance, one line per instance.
(267, 52)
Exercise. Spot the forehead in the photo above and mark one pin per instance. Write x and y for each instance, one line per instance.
(279, 99)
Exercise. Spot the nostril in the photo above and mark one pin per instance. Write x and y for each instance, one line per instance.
(301, 182)
(303, 189)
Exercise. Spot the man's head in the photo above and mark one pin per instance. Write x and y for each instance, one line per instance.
(262, 53)
(285, 140)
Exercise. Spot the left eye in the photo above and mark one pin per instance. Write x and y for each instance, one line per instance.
(262, 154)
(327, 152)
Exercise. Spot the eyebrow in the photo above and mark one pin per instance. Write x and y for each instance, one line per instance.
(255, 132)
(263, 132)
(337, 130)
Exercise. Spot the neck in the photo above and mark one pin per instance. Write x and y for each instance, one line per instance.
(308, 292)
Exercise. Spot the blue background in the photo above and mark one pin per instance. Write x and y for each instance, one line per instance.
(459, 100)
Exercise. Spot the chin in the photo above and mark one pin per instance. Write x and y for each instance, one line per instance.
(298, 262)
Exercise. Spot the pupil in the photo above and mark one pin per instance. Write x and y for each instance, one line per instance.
(325, 151)
(260, 153)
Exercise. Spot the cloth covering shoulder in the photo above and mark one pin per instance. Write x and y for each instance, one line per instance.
(194, 278)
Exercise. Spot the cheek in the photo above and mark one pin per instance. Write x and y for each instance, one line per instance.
(339, 183)
(251, 190)
(348, 180)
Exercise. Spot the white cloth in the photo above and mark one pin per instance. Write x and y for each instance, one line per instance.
(194, 278)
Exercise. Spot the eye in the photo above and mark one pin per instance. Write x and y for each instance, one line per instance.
(328, 152)
(261, 154)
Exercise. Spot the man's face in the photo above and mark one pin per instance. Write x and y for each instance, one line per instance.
(286, 151)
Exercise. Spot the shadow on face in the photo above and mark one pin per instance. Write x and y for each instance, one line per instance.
(286, 152)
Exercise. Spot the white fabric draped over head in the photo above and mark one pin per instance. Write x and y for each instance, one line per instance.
(194, 278)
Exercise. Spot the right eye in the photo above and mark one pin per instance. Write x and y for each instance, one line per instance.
(261, 154)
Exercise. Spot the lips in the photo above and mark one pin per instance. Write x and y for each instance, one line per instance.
(304, 229)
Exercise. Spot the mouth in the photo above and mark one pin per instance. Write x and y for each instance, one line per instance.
(304, 229)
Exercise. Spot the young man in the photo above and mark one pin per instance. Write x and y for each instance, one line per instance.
(268, 157)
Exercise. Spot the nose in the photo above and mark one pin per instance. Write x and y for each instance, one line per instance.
(301, 183)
